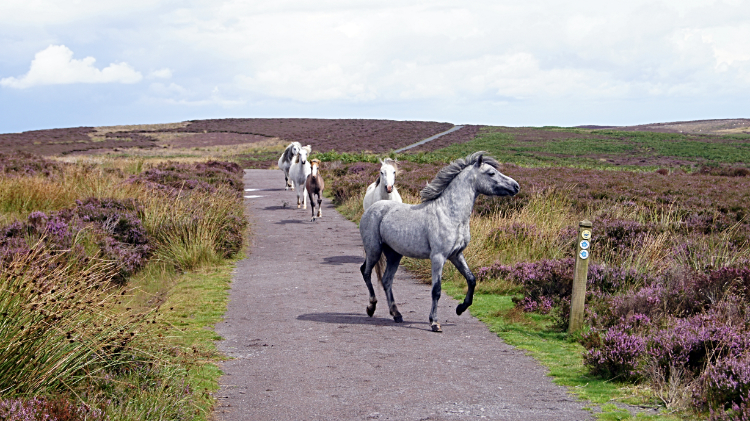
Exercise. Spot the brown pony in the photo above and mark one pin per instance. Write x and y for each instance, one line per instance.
(315, 185)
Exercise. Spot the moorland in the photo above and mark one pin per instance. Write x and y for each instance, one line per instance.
(103, 258)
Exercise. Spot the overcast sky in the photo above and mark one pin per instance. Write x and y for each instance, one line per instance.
(96, 62)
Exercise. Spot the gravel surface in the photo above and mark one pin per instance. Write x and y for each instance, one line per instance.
(304, 349)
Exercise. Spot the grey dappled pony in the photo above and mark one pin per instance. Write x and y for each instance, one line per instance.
(436, 229)
(285, 161)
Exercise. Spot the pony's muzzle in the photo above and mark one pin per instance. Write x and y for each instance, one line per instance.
(389, 189)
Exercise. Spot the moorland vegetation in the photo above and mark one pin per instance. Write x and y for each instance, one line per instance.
(104, 259)
(105, 270)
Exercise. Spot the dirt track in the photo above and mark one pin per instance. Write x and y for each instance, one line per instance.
(304, 349)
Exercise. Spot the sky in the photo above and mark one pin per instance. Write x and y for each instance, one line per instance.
(66, 63)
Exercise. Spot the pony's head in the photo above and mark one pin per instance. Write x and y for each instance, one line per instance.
(295, 148)
(388, 170)
(303, 152)
(489, 180)
(314, 166)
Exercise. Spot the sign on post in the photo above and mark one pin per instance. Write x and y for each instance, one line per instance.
(578, 298)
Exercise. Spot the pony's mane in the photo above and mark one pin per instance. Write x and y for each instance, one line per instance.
(392, 162)
(288, 151)
(435, 188)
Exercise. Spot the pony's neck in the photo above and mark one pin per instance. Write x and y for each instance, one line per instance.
(458, 198)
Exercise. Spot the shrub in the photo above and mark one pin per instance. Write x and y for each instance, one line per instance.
(208, 176)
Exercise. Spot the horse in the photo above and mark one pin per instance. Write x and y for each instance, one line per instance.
(298, 173)
(384, 188)
(436, 229)
(314, 186)
(285, 161)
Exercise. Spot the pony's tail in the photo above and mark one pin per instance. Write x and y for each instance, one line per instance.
(380, 268)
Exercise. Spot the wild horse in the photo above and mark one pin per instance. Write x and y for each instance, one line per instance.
(436, 229)
(285, 162)
(314, 186)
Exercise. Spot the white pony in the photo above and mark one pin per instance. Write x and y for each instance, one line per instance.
(384, 187)
(285, 162)
(298, 173)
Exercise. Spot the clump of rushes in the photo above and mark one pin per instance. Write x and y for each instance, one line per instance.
(192, 229)
(57, 326)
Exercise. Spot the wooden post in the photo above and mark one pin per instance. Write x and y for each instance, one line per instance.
(578, 298)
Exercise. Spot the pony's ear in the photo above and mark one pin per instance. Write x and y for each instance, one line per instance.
(479, 161)
(381, 161)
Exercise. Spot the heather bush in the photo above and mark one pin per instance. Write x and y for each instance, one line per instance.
(41, 408)
(93, 229)
(208, 176)
(25, 164)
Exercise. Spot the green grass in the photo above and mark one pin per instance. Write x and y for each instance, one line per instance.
(192, 308)
(594, 149)
(585, 151)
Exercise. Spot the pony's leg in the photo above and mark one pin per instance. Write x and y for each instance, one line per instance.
(286, 181)
(438, 261)
(393, 259)
(299, 204)
(304, 198)
(366, 270)
(312, 204)
(320, 209)
(460, 263)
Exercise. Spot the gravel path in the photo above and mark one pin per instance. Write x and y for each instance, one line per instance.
(304, 349)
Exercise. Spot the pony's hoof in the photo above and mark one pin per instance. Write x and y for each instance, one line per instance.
(461, 308)
(319, 214)
(436, 327)
(398, 318)
(298, 206)
(370, 310)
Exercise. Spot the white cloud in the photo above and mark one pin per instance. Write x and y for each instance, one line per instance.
(384, 55)
(55, 65)
(164, 73)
